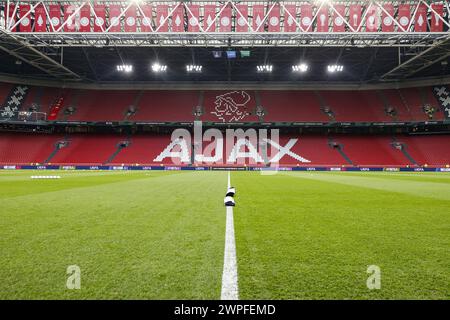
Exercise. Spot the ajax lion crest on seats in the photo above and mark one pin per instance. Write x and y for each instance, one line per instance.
(231, 106)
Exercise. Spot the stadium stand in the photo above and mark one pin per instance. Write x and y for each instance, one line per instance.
(88, 149)
(299, 105)
(416, 100)
(166, 106)
(373, 151)
(102, 105)
(413, 104)
(5, 88)
(142, 149)
(21, 148)
(429, 150)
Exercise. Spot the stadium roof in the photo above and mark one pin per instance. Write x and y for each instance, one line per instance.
(367, 57)
(99, 64)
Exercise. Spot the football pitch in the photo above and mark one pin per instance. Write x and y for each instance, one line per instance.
(161, 234)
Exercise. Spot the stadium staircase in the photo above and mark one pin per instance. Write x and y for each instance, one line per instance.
(199, 110)
(340, 149)
(324, 107)
(400, 146)
(389, 110)
(134, 108)
(36, 102)
(58, 146)
(260, 111)
(71, 105)
(120, 146)
(55, 108)
(405, 103)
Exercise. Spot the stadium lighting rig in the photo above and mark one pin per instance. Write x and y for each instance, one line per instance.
(158, 68)
(127, 68)
(333, 68)
(267, 68)
(192, 68)
(300, 68)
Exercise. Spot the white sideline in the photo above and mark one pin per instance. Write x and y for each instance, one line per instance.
(230, 289)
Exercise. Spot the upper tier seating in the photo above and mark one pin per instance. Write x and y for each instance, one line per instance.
(5, 89)
(166, 106)
(235, 105)
(415, 99)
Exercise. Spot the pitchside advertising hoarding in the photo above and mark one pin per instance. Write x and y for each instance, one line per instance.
(222, 168)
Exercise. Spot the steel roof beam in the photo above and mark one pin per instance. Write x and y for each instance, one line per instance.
(421, 61)
(21, 50)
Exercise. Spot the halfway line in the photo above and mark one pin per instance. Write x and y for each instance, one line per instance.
(230, 289)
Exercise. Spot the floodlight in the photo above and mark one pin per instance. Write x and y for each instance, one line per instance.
(333, 68)
(302, 67)
(194, 68)
(157, 68)
(266, 68)
(124, 68)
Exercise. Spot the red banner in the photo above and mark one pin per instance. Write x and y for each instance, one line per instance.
(338, 18)
(241, 18)
(130, 19)
(404, 16)
(114, 20)
(322, 19)
(420, 19)
(162, 19)
(193, 20)
(85, 19)
(436, 22)
(178, 19)
(208, 19)
(69, 18)
(306, 17)
(100, 18)
(40, 19)
(225, 19)
(355, 16)
(55, 16)
(372, 19)
(146, 17)
(387, 23)
(11, 14)
(258, 18)
(290, 17)
(25, 23)
(274, 19)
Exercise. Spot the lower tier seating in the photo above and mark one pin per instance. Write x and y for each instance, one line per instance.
(294, 149)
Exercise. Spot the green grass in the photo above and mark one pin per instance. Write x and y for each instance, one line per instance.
(134, 235)
(313, 235)
(160, 235)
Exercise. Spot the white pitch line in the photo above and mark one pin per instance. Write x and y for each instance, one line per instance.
(230, 289)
